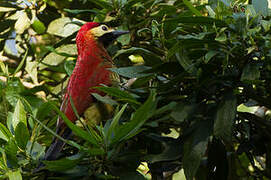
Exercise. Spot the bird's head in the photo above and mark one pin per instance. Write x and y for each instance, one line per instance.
(98, 33)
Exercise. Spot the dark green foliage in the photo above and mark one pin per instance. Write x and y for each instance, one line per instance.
(192, 97)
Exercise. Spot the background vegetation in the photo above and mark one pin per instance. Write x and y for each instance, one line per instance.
(198, 107)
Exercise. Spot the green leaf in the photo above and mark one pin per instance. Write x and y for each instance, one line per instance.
(261, 6)
(63, 164)
(11, 150)
(58, 55)
(75, 129)
(19, 115)
(32, 69)
(38, 26)
(142, 114)
(35, 150)
(80, 11)
(104, 99)
(184, 61)
(132, 71)
(209, 55)
(21, 135)
(166, 108)
(198, 20)
(62, 27)
(221, 37)
(69, 66)
(21, 63)
(195, 147)
(172, 149)
(14, 175)
(192, 8)
(113, 125)
(182, 112)
(4, 133)
(122, 95)
(225, 117)
(4, 68)
(22, 23)
(250, 72)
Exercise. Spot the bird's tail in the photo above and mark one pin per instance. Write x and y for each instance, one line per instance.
(55, 148)
(57, 145)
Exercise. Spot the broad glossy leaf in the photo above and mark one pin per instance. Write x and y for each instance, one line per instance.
(104, 99)
(121, 95)
(11, 149)
(124, 39)
(209, 55)
(31, 68)
(21, 135)
(54, 59)
(62, 27)
(136, 58)
(19, 115)
(22, 23)
(225, 117)
(195, 147)
(62, 164)
(132, 71)
(142, 114)
(38, 26)
(4, 133)
(183, 112)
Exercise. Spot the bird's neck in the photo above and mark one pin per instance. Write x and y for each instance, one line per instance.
(90, 50)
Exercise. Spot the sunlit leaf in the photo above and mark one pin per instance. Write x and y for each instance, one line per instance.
(19, 115)
(14, 175)
(62, 27)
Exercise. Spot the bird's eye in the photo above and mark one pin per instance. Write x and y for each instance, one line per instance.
(104, 28)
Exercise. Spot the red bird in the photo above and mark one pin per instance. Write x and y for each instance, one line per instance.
(91, 70)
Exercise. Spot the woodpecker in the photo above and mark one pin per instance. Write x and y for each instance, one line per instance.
(91, 70)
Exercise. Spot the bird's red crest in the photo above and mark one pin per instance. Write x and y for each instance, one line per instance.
(80, 39)
(88, 26)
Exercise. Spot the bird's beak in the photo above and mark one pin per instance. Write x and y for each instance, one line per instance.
(107, 38)
(118, 33)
